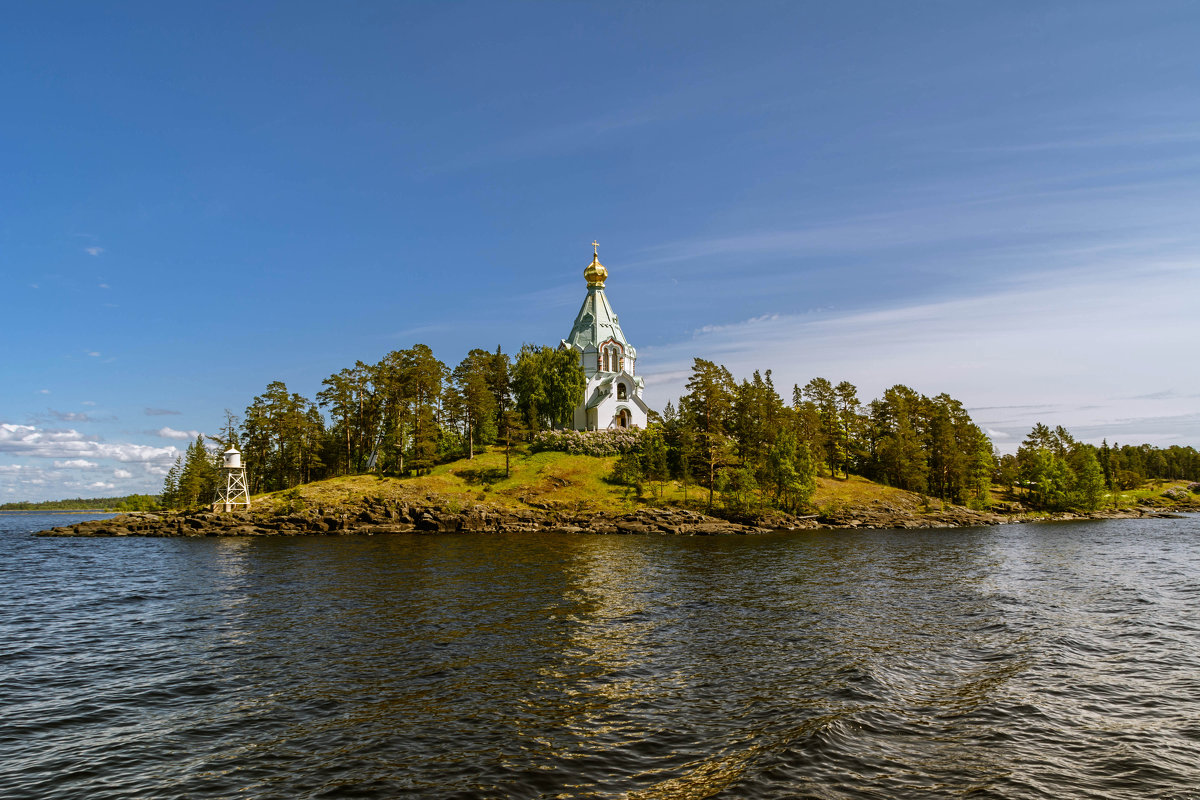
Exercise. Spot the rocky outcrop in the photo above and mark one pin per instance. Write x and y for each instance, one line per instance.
(379, 516)
(376, 515)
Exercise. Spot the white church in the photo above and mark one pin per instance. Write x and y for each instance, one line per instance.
(613, 398)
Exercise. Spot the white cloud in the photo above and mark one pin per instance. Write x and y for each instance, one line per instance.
(89, 402)
(101, 485)
(122, 473)
(43, 391)
(94, 251)
(76, 463)
(30, 440)
(93, 353)
(104, 286)
(171, 433)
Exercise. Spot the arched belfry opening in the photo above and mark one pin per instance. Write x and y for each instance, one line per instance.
(621, 391)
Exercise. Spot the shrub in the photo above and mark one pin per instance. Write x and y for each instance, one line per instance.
(588, 443)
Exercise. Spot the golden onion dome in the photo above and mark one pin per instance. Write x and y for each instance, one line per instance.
(595, 273)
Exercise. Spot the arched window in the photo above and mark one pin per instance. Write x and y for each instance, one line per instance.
(620, 391)
(610, 358)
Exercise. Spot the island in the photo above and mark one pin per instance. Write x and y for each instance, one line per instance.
(560, 492)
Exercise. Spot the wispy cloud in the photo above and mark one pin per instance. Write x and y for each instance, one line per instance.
(556, 139)
(1105, 332)
(1096, 138)
(171, 433)
(420, 330)
(160, 412)
(94, 251)
(70, 416)
(122, 474)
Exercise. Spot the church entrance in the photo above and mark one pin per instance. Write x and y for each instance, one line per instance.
(623, 418)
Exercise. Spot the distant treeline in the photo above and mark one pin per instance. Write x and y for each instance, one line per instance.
(1053, 471)
(130, 502)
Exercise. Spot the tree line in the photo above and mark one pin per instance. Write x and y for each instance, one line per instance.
(742, 442)
(1052, 471)
(129, 502)
(736, 441)
(399, 416)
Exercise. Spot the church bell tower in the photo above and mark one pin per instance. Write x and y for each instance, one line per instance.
(613, 397)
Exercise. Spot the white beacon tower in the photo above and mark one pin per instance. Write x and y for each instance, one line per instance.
(233, 491)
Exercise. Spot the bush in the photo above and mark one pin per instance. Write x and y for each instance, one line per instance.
(588, 443)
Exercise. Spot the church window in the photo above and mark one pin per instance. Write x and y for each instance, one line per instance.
(611, 359)
(620, 391)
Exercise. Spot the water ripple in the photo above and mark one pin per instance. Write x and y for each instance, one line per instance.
(1021, 662)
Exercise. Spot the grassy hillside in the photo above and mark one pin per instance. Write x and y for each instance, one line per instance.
(572, 483)
(578, 485)
(540, 480)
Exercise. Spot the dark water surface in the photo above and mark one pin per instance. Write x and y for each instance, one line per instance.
(1018, 662)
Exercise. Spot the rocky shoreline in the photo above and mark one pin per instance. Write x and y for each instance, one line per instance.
(384, 516)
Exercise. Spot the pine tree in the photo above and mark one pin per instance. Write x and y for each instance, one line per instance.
(471, 378)
(170, 490)
(654, 457)
(706, 407)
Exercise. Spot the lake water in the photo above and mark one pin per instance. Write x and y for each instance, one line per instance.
(1026, 661)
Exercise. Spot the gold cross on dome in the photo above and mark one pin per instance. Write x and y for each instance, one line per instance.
(595, 248)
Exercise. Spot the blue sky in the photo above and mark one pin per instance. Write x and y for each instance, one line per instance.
(998, 201)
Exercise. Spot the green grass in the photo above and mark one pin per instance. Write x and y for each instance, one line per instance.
(579, 485)
(573, 484)
(1129, 498)
(1151, 489)
(558, 481)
